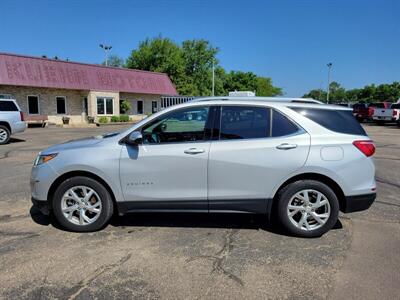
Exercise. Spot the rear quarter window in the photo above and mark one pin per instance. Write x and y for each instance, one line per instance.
(341, 121)
(8, 106)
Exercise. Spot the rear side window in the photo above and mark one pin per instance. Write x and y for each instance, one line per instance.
(244, 122)
(395, 106)
(281, 125)
(8, 106)
(341, 121)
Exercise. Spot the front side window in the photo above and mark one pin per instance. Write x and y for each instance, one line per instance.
(61, 105)
(186, 125)
(33, 105)
(105, 106)
(244, 122)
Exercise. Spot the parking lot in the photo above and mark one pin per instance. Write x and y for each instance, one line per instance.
(181, 256)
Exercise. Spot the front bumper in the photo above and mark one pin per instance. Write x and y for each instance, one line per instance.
(358, 202)
(42, 206)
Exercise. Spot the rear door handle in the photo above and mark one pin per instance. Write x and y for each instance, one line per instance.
(286, 146)
(193, 151)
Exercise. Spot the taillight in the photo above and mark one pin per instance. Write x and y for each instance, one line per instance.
(366, 147)
(394, 112)
(21, 114)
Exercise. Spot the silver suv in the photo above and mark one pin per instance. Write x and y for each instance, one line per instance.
(292, 159)
(11, 120)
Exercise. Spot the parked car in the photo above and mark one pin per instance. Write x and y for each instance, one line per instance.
(376, 105)
(296, 161)
(11, 120)
(396, 112)
(361, 112)
(384, 115)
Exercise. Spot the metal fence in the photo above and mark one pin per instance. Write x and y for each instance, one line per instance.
(167, 101)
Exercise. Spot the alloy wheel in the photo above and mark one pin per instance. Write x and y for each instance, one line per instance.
(81, 205)
(3, 135)
(308, 209)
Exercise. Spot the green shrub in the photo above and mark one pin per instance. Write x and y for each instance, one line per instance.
(115, 119)
(125, 106)
(103, 120)
(124, 118)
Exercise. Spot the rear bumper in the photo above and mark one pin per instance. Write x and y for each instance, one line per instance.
(18, 127)
(358, 202)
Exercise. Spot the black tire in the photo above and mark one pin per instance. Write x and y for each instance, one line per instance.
(8, 134)
(105, 198)
(289, 191)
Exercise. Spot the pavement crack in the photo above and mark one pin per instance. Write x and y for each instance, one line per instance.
(75, 291)
(380, 180)
(220, 257)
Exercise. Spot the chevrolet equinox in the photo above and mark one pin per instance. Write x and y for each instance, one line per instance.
(296, 160)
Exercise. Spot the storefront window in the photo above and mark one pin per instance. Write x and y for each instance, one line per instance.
(105, 106)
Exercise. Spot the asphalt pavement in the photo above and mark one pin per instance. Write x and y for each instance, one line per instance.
(194, 256)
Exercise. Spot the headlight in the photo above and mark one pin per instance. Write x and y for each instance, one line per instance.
(44, 158)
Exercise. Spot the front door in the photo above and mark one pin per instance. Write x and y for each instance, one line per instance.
(169, 170)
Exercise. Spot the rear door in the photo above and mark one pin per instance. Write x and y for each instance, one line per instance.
(254, 150)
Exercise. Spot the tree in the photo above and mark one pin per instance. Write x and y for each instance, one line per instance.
(198, 57)
(265, 87)
(159, 55)
(369, 93)
(189, 66)
(114, 61)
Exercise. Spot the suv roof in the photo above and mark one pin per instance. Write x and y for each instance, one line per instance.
(253, 98)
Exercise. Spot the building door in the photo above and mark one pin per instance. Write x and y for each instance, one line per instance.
(140, 107)
(33, 105)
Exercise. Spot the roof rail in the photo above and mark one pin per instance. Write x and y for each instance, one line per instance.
(268, 99)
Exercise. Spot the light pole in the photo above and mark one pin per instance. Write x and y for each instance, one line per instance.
(329, 82)
(213, 78)
(106, 49)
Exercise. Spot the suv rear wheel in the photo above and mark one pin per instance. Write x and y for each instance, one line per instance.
(82, 204)
(4, 135)
(307, 208)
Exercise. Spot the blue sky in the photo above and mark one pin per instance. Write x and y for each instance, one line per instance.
(290, 41)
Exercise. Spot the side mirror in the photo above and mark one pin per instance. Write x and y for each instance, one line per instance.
(135, 138)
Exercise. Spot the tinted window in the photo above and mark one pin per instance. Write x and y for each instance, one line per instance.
(341, 121)
(8, 106)
(281, 125)
(359, 106)
(377, 105)
(186, 125)
(396, 106)
(242, 122)
(60, 101)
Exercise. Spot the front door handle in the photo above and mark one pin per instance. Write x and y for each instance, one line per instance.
(286, 146)
(193, 151)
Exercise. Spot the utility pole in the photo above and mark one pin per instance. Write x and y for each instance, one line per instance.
(329, 82)
(106, 49)
(213, 78)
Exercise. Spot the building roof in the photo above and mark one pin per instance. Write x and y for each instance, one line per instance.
(49, 73)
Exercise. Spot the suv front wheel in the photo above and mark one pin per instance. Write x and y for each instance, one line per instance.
(307, 208)
(82, 204)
